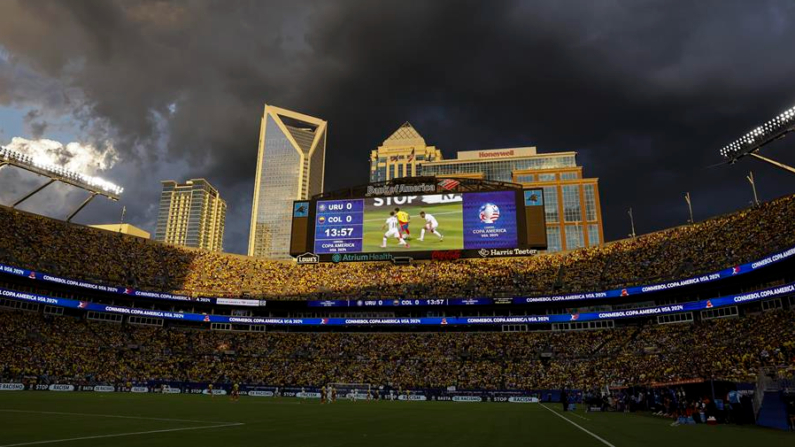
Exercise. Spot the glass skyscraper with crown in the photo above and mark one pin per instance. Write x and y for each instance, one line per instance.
(290, 166)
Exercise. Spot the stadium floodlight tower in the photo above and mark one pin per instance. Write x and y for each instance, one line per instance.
(750, 143)
(94, 185)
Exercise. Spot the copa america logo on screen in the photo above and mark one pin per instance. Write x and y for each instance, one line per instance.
(489, 213)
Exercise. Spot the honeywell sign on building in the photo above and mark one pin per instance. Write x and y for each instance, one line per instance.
(490, 154)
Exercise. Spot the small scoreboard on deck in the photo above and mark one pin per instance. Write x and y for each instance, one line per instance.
(420, 218)
(339, 226)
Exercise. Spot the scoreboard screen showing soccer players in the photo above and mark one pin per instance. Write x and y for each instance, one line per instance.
(424, 226)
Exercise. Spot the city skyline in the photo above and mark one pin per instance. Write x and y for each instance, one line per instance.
(152, 91)
(572, 202)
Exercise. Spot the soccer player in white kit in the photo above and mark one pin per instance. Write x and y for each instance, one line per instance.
(430, 224)
(393, 230)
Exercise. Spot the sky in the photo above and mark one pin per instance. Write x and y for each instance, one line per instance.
(646, 92)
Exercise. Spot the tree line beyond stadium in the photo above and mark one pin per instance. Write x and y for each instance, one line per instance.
(419, 218)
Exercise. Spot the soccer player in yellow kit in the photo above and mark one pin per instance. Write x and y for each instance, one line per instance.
(403, 220)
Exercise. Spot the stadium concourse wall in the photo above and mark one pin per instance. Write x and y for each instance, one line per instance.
(717, 302)
(633, 291)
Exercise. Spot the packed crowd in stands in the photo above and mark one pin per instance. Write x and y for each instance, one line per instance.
(73, 251)
(65, 349)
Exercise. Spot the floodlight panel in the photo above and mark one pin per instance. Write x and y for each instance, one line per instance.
(45, 168)
(758, 137)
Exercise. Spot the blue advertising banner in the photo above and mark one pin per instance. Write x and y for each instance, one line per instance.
(99, 287)
(470, 301)
(328, 303)
(432, 321)
(490, 220)
(639, 290)
(396, 302)
(614, 293)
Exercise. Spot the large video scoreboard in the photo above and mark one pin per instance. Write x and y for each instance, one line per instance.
(428, 222)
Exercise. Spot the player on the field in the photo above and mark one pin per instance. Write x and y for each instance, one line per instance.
(322, 394)
(393, 230)
(210, 389)
(333, 394)
(431, 225)
(403, 219)
(235, 392)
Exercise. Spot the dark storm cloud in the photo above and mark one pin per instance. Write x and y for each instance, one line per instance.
(35, 124)
(645, 91)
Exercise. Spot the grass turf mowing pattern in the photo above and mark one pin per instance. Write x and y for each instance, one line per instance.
(451, 225)
(288, 422)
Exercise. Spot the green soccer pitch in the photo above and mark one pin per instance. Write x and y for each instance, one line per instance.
(121, 419)
(451, 225)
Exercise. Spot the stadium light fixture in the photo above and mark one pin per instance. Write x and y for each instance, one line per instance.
(94, 185)
(632, 223)
(689, 207)
(751, 180)
(751, 142)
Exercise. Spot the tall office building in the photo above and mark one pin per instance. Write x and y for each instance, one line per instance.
(290, 166)
(572, 205)
(401, 155)
(192, 214)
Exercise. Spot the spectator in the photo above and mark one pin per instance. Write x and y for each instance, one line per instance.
(73, 251)
(65, 349)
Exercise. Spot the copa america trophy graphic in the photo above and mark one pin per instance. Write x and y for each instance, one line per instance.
(489, 213)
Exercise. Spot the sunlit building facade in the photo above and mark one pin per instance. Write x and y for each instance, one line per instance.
(290, 166)
(127, 229)
(401, 155)
(572, 204)
(191, 214)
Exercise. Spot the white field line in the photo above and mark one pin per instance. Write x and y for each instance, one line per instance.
(116, 435)
(577, 415)
(116, 416)
(574, 424)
